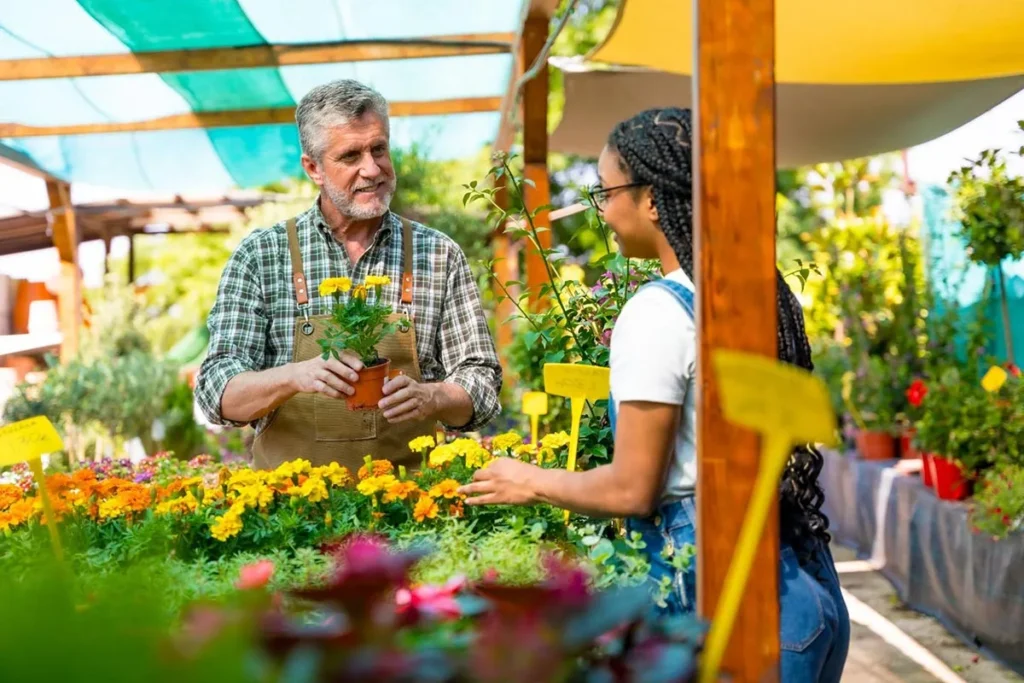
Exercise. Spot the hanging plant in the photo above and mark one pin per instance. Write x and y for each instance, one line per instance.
(990, 208)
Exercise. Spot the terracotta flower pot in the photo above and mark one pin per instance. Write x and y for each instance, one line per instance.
(876, 445)
(369, 387)
(907, 450)
(928, 470)
(950, 480)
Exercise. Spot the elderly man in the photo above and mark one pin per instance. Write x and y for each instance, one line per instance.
(264, 364)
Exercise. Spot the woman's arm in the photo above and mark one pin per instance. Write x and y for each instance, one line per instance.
(630, 486)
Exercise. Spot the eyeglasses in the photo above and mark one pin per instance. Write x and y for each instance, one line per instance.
(600, 195)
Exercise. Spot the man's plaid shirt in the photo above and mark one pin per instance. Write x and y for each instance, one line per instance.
(252, 322)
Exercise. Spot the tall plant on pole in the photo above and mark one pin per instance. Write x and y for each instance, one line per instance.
(990, 207)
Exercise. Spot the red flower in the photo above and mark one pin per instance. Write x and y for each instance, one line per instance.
(916, 393)
(1013, 369)
(255, 575)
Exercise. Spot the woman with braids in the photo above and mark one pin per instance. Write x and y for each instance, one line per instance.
(646, 177)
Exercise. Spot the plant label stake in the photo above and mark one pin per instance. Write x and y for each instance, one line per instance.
(535, 404)
(27, 441)
(994, 379)
(579, 383)
(755, 393)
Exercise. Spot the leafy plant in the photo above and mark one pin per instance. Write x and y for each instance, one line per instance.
(573, 321)
(961, 421)
(359, 318)
(990, 207)
(875, 394)
(998, 508)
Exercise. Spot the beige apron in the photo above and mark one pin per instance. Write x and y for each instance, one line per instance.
(322, 429)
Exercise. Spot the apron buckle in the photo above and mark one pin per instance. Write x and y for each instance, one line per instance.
(307, 327)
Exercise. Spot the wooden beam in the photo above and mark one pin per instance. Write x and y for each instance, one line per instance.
(734, 96)
(254, 56)
(65, 238)
(242, 117)
(535, 153)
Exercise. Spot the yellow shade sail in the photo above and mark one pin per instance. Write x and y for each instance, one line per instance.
(826, 41)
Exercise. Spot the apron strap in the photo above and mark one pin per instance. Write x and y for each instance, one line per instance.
(298, 277)
(406, 261)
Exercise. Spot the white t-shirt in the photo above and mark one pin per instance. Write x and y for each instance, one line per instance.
(654, 359)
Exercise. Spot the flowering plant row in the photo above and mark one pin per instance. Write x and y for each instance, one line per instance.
(210, 510)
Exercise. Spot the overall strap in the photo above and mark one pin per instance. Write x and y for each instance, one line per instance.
(406, 261)
(298, 277)
(680, 292)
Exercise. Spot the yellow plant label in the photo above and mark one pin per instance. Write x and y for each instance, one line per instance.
(994, 379)
(28, 440)
(788, 406)
(760, 393)
(588, 382)
(535, 403)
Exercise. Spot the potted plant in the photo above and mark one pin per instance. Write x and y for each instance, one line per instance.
(915, 395)
(359, 321)
(961, 429)
(875, 407)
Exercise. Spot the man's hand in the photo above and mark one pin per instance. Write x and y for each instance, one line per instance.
(504, 481)
(406, 399)
(331, 377)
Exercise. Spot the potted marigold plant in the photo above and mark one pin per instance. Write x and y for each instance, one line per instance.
(359, 321)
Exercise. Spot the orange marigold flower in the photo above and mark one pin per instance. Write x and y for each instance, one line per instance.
(376, 468)
(426, 508)
(59, 482)
(456, 510)
(449, 488)
(400, 490)
(9, 495)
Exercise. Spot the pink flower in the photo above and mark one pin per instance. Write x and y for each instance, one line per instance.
(255, 575)
(432, 601)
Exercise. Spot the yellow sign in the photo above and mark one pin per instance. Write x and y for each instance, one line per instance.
(578, 383)
(27, 441)
(994, 379)
(535, 404)
(759, 393)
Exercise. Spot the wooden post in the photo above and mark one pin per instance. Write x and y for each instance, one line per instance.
(65, 238)
(734, 96)
(535, 149)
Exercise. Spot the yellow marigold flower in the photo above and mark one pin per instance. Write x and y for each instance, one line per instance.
(464, 446)
(212, 494)
(525, 451)
(441, 455)
(112, 508)
(227, 525)
(359, 292)
(400, 490)
(335, 284)
(376, 468)
(478, 457)
(257, 495)
(426, 508)
(337, 474)
(377, 280)
(183, 505)
(555, 441)
(372, 485)
(505, 441)
(544, 455)
(314, 489)
(449, 488)
(421, 443)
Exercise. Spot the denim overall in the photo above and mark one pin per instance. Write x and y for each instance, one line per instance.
(815, 626)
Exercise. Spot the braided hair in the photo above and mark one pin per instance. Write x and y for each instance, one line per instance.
(654, 148)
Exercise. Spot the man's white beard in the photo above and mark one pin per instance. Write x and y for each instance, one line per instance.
(346, 206)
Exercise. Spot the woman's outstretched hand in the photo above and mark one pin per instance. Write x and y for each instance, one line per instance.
(504, 481)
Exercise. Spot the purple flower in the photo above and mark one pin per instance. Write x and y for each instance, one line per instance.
(143, 477)
(606, 338)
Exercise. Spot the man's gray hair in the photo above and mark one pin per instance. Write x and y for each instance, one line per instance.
(335, 104)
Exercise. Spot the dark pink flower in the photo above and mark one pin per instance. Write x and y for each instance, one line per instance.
(255, 575)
